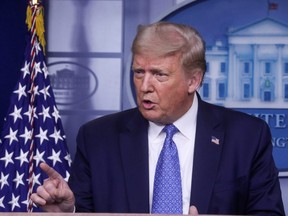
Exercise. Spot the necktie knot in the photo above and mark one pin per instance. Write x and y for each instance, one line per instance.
(170, 130)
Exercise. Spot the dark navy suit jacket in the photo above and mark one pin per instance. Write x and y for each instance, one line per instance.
(236, 176)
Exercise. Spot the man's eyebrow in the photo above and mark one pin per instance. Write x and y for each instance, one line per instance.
(136, 68)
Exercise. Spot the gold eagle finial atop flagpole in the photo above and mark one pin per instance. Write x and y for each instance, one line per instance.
(39, 18)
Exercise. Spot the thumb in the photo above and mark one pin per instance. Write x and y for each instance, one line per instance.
(193, 210)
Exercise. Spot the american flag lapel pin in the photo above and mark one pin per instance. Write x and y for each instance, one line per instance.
(215, 140)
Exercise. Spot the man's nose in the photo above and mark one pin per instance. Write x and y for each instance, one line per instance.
(147, 83)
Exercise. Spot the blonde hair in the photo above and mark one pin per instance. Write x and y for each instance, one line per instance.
(165, 39)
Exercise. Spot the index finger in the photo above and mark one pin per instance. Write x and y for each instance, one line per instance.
(52, 173)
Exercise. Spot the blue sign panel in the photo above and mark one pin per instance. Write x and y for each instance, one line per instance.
(277, 119)
(247, 59)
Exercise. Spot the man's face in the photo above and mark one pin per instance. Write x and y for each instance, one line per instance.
(164, 91)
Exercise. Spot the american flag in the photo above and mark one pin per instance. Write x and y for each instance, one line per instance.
(32, 133)
(215, 140)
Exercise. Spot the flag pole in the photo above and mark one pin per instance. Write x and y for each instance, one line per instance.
(35, 7)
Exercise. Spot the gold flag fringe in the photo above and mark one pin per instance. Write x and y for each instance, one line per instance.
(40, 30)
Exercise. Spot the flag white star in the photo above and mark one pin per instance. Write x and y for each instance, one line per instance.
(7, 158)
(67, 175)
(45, 92)
(55, 157)
(1, 202)
(42, 135)
(26, 202)
(39, 157)
(22, 157)
(45, 70)
(34, 91)
(18, 179)
(27, 135)
(16, 113)
(12, 136)
(29, 113)
(3, 180)
(37, 47)
(56, 135)
(45, 113)
(20, 91)
(25, 69)
(56, 114)
(37, 69)
(14, 202)
(35, 179)
(68, 158)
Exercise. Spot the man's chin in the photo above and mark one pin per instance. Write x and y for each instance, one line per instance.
(150, 115)
(153, 116)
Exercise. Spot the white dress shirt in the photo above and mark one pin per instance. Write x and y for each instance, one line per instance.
(185, 141)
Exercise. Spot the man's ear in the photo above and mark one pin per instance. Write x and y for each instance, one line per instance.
(194, 80)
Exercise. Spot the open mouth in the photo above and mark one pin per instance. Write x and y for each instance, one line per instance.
(147, 104)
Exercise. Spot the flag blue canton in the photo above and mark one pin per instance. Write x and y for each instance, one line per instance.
(32, 119)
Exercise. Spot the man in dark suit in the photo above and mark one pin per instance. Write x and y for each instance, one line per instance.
(225, 157)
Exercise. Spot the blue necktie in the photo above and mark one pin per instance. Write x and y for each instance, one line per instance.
(167, 194)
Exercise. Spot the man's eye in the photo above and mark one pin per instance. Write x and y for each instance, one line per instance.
(138, 73)
(161, 76)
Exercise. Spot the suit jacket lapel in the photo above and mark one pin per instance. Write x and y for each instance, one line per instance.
(134, 151)
(208, 145)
